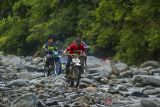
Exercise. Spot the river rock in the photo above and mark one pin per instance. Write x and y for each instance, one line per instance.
(121, 67)
(37, 60)
(126, 74)
(148, 103)
(152, 91)
(155, 71)
(27, 100)
(24, 75)
(18, 82)
(142, 71)
(154, 64)
(147, 80)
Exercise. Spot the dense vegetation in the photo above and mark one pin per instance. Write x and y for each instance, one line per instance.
(128, 30)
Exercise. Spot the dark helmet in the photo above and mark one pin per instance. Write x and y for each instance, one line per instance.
(78, 40)
(51, 36)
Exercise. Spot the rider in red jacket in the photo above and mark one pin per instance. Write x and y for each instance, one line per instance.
(75, 48)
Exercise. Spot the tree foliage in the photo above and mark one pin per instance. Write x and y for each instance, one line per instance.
(127, 30)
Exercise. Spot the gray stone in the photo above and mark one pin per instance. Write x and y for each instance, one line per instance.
(148, 87)
(141, 71)
(24, 75)
(127, 74)
(31, 68)
(27, 100)
(154, 64)
(147, 80)
(97, 78)
(155, 71)
(152, 91)
(37, 60)
(18, 82)
(148, 103)
(2, 70)
(138, 94)
(83, 85)
(11, 59)
(121, 67)
(86, 80)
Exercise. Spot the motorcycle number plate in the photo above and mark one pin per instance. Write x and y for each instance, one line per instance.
(75, 60)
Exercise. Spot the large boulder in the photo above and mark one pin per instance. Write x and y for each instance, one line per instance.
(93, 62)
(24, 75)
(141, 71)
(11, 59)
(104, 70)
(27, 100)
(18, 82)
(37, 60)
(152, 91)
(147, 80)
(148, 103)
(121, 67)
(153, 71)
(29, 76)
(154, 64)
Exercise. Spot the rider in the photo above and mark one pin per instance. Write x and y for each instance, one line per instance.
(49, 47)
(75, 48)
(86, 47)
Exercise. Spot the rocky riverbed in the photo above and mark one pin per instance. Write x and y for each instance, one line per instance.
(106, 84)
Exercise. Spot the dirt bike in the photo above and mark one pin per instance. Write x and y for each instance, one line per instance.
(75, 70)
(54, 65)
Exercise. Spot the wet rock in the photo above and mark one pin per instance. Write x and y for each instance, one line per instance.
(2, 105)
(122, 88)
(153, 71)
(152, 91)
(37, 60)
(27, 100)
(12, 60)
(134, 105)
(141, 71)
(147, 80)
(148, 103)
(92, 71)
(31, 68)
(154, 64)
(121, 67)
(10, 76)
(113, 90)
(138, 85)
(52, 103)
(104, 80)
(127, 74)
(92, 89)
(18, 82)
(113, 76)
(87, 100)
(97, 78)
(148, 87)
(2, 70)
(24, 75)
(158, 96)
(138, 94)
(83, 85)
(60, 83)
(86, 80)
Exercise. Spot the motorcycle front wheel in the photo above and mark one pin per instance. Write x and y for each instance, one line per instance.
(76, 76)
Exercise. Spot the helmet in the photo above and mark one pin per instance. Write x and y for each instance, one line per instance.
(78, 40)
(51, 36)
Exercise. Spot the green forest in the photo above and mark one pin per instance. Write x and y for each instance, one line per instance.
(126, 30)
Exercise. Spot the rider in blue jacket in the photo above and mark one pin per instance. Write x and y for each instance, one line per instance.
(49, 47)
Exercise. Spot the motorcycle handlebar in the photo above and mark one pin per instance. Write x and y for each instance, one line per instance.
(74, 55)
